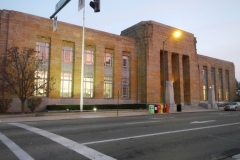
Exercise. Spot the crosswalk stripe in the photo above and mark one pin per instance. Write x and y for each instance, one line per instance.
(21, 154)
(79, 148)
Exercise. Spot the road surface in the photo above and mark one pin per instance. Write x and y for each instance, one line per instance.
(184, 136)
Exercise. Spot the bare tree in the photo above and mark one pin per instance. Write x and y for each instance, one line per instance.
(22, 73)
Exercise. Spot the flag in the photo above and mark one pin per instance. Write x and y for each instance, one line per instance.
(81, 4)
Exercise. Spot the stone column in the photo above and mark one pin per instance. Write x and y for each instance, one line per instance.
(169, 85)
(170, 96)
(211, 98)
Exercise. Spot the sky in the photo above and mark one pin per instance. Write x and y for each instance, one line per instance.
(215, 23)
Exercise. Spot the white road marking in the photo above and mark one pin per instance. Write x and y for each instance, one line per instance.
(92, 116)
(21, 154)
(220, 113)
(161, 133)
(150, 121)
(142, 122)
(163, 118)
(236, 156)
(79, 148)
(232, 115)
(199, 122)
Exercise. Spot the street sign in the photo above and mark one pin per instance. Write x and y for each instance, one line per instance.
(54, 24)
(81, 4)
(59, 6)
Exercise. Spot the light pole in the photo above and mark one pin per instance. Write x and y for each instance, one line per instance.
(176, 34)
(82, 63)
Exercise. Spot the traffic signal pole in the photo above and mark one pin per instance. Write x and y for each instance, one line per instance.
(59, 6)
(82, 68)
(95, 4)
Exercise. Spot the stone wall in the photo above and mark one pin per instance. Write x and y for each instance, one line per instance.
(217, 64)
(24, 30)
(143, 43)
(150, 36)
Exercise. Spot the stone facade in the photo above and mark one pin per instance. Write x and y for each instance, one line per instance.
(181, 62)
(219, 66)
(142, 43)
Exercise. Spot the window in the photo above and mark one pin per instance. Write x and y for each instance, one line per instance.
(108, 60)
(205, 84)
(67, 54)
(41, 74)
(125, 76)
(89, 57)
(88, 81)
(213, 76)
(66, 85)
(220, 88)
(125, 88)
(227, 85)
(108, 87)
(88, 86)
(108, 75)
(66, 72)
(213, 81)
(125, 62)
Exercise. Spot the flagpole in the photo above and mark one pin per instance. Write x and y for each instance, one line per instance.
(82, 68)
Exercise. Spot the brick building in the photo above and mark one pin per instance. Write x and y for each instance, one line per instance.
(125, 69)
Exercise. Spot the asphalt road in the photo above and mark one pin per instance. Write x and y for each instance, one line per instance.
(185, 136)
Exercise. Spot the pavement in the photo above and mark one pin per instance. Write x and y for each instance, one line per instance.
(61, 115)
(64, 115)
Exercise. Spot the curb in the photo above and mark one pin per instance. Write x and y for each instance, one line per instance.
(53, 115)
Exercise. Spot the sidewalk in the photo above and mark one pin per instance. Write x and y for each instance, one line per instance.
(61, 115)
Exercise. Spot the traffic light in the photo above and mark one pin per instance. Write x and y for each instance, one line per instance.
(95, 4)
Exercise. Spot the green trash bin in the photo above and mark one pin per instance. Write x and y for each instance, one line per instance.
(151, 109)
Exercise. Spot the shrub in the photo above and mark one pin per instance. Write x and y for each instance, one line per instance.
(33, 103)
(5, 104)
(90, 107)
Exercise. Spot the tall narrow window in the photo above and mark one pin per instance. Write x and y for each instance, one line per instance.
(42, 55)
(213, 81)
(66, 72)
(88, 81)
(205, 83)
(108, 75)
(220, 88)
(213, 76)
(125, 76)
(227, 85)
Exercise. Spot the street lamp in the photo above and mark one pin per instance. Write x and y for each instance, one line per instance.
(176, 34)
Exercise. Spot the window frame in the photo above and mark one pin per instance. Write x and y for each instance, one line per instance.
(42, 74)
(66, 88)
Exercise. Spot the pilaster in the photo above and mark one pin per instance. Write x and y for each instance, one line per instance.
(181, 79)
